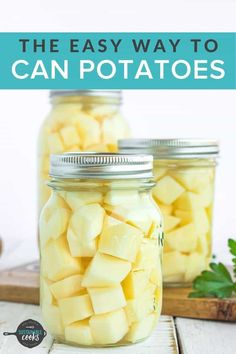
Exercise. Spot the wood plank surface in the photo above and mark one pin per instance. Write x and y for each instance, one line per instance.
(206, 337)
(163, 339)
(176, 303)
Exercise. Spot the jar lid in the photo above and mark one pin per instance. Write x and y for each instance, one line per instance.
(116, 94)
(171, 148)
(100, 165)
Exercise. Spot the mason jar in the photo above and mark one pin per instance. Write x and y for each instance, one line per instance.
(79, 120)
(101, 245)
(184, 170)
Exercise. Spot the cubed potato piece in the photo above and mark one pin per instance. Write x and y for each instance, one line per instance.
(79, 333)
(133, 214)
(98, 148)
(45, 292)
(55, 226)
(87, 221)
(110, 221)
(183, 239)
(167, 190)
(188, 201)
(107, 299)
(142, 329)
(174, 263)
(176, 278)
(159, 172)
(105, 270)
(89, 130)
(135, 283)
(58, 262)
(109, 328)
(55, 143)
(117, 197)
(80, 246)
(77, 199)
(195, 264)
(75, 308)
(52, 319)
(67, 287)
(196, 216)
(139, 308)
(114, 129)
(193, 180)
(202, 245)
(102, 111)
(170, 222)
(121, 240)
(70, 136)
(206, 195)
(148, 255)
(165, 209)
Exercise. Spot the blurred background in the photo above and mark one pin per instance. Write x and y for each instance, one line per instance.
(153, 114)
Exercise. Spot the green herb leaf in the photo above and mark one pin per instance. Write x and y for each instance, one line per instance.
(232, 249)
(216, 282)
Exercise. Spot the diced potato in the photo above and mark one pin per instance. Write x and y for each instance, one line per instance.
(109, 328)
(75, 308)
(114, 129)
(98, 148)
(55, 143)
(134, 214)
(57, 224)
(183, 239)
(117, 197)
(70, 136)
(196, 216)
(139, 308)
(147, 256)
(121, 241)
(174, 263)
(102, 111)
(206, 195)
(87, 221)
(159, 172)
(45, 293)
(142, 329)
(80, 246)
(135, 283)
(105, 270)
(52, 319)
(193, 180)
(176, 278)
(202, 245)
(165, 209)
(67, 287)
(170, 222)
(107, 299)
(58, 262)
(185, 216)
(167, 190)
(110, 221)
(195, 264)
(189, 201)
(79, 333)
(77, 199)
(89, 130)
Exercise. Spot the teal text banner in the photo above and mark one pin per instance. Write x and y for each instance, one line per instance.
(117, 60)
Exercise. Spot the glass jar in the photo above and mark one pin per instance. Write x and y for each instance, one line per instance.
(184, 170)
(79, 121)
(101, 246)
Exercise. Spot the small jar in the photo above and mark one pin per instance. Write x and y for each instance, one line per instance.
(184, 170)
(101, 245)
(87, 120)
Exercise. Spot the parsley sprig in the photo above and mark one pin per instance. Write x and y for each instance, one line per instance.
(218, 281)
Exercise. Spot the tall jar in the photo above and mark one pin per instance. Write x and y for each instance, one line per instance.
(101, 246)
(184, 170)
(79, 121)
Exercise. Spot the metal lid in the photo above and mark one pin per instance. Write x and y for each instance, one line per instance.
(100, 166)
(171, 148)
(115, 94)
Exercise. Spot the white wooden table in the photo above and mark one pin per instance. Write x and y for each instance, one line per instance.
(171, 336)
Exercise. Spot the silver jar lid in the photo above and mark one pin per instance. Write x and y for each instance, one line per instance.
(171, 148)
(115, 94)
(100, 166)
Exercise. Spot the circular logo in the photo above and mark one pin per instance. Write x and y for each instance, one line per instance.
(29, 333)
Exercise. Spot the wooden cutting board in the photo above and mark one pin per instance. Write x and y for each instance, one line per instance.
(21, 284)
